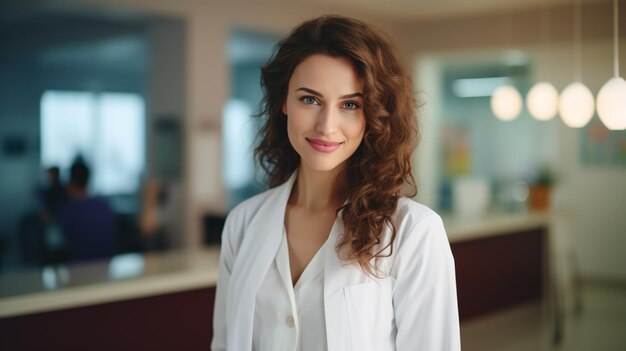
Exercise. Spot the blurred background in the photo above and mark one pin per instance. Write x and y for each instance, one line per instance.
(126, 136)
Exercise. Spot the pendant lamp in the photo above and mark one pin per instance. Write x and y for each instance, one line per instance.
(612, 96)
(542, 100)
(506, 101)
(576, 104)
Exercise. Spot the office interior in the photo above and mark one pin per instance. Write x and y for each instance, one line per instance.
(158, 100)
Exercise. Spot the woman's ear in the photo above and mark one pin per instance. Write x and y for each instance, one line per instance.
(285, 107)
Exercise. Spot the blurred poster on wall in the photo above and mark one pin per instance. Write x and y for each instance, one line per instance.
(602, 147)
(456, 150)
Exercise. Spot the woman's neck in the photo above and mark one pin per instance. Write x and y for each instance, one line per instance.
(317, 190)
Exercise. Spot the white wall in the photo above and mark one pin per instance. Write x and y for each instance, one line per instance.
(592, 198)
(166, 94)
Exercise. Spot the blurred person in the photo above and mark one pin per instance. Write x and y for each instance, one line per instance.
(152, 218)
(88, 223)
(39, 237)
(333, 256)
(53, 194)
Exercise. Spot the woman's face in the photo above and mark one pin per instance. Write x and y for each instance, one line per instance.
(324, 108)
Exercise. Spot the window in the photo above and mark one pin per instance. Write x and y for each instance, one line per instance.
(107, 129)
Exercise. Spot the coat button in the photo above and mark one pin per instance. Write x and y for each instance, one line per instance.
(290, 322)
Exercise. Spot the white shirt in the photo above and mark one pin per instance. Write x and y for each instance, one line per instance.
(288, 317)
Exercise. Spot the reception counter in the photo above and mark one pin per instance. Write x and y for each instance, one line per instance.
(500, 260)
(124, 277)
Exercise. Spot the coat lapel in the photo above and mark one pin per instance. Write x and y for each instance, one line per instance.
(256, 254)
(337, 275)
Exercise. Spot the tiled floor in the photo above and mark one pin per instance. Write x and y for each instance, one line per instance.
(601, 325)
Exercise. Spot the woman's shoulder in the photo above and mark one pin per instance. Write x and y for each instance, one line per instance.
(411, 211)
(248, 208)
(416, 222)
(239, 218)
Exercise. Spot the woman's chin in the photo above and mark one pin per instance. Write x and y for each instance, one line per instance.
(322, 165)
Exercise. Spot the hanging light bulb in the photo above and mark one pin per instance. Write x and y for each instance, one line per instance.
(612, 104)
(543, 101)
(612, 95)
(506, 102)
(576, 105)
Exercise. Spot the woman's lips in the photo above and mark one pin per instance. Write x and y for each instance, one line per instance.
(324, 146)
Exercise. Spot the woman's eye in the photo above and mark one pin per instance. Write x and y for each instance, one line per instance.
(309, 100)
(350, 106)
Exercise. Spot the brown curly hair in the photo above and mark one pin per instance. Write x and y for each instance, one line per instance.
(380, 169)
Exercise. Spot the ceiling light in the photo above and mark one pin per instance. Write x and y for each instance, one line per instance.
(542, 101)
(576, 105)
(506, 103)
(612, 95)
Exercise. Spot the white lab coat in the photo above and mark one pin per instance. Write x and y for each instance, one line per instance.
(413, 307)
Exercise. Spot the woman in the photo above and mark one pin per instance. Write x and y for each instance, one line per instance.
(333, 257)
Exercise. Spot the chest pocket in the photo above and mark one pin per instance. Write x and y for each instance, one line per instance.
(370, 315)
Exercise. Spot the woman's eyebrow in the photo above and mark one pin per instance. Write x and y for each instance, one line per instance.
(318, 94)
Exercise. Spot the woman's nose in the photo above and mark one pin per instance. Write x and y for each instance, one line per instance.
(326, 121)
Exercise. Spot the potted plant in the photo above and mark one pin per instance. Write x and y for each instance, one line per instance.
(540, 189)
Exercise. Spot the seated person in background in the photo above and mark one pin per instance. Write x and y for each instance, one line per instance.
(53, 195)
(88, 223)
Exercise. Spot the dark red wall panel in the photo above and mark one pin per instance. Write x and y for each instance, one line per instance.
(498, 272)
(178, 321)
